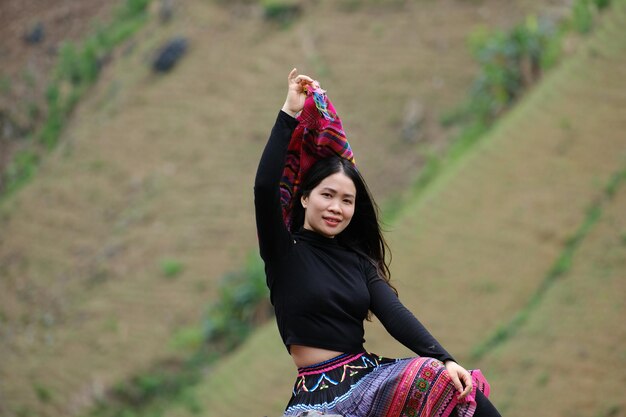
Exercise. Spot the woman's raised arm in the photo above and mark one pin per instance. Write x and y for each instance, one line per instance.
(272, 232)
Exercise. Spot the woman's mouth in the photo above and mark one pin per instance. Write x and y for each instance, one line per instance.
(332, 222)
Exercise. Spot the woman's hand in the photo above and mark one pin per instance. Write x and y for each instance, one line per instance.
(461, 378)
(295, 94)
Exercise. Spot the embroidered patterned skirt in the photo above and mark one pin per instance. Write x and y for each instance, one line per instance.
(367, 385)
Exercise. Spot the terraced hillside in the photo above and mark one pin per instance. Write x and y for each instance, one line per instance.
(26, 66)
(522, 244)
(570, 355)
(153, 169)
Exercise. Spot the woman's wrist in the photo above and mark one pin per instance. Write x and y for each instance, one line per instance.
(287, 110)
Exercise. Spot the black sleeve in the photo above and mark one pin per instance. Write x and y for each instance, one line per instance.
(272, 232)
(399, 321)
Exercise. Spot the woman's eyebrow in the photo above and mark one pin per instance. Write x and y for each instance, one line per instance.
(332, 190)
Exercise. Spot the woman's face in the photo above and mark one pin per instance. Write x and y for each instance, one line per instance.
(329, 207)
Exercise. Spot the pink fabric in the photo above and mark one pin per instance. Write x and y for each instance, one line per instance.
(424, 385)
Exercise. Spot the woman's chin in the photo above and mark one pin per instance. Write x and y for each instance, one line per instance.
(327, 229)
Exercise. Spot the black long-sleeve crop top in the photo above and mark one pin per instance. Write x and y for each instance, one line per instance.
(321, 291)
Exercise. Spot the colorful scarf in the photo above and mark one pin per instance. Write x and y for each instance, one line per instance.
(318, 135)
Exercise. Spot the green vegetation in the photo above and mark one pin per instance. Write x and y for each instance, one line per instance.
(582, 17)
(280, 11)
(32, 110)
(79, 65)
(510, 62)
(602, 4)
(543, 378)
(111, 325)
(21, 169)
(171, 268)
(612, 410)
(242, 302)
(5, 84)
(352, 5)
(614, 183)
(560, 267)
(188, 339)
(43, 393)
(77, 69)
(151, 392)
(584, 11)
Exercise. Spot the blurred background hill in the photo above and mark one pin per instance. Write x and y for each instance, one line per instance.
(513, 253)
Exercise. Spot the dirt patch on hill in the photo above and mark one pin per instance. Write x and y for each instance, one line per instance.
(26, 65)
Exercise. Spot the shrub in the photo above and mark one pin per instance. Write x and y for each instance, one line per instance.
(509, 63)
(281, 11)
(43, 393)
(242, 301)
(22, 167)
(188, 338)
(582, 17)
(601, 4)
(131, 9)
(52, 127)
(171, 268)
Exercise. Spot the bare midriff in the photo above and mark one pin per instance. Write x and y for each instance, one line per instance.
(306, 355)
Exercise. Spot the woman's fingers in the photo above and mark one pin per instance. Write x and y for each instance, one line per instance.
(457, 383)
(292, 74)
(301, 79)
(296, 92)
(467, 381)
(461, 378)
(304, 79)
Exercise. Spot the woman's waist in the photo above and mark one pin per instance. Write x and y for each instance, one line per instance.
(305, 357)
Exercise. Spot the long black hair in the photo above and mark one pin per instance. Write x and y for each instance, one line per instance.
(364, 233)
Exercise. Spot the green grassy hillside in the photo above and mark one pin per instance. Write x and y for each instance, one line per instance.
(569, 357)
(482, 246)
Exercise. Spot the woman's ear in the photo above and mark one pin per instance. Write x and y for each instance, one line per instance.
(304, 201)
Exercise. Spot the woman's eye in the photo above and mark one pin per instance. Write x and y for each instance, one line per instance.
(347, 201)
(326, 194)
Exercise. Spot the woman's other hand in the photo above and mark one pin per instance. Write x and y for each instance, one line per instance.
(295, 94)
(461, 378)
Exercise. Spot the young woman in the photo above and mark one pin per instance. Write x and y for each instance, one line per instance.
(326, 272)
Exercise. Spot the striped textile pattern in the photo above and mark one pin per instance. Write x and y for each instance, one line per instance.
(368, 385)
